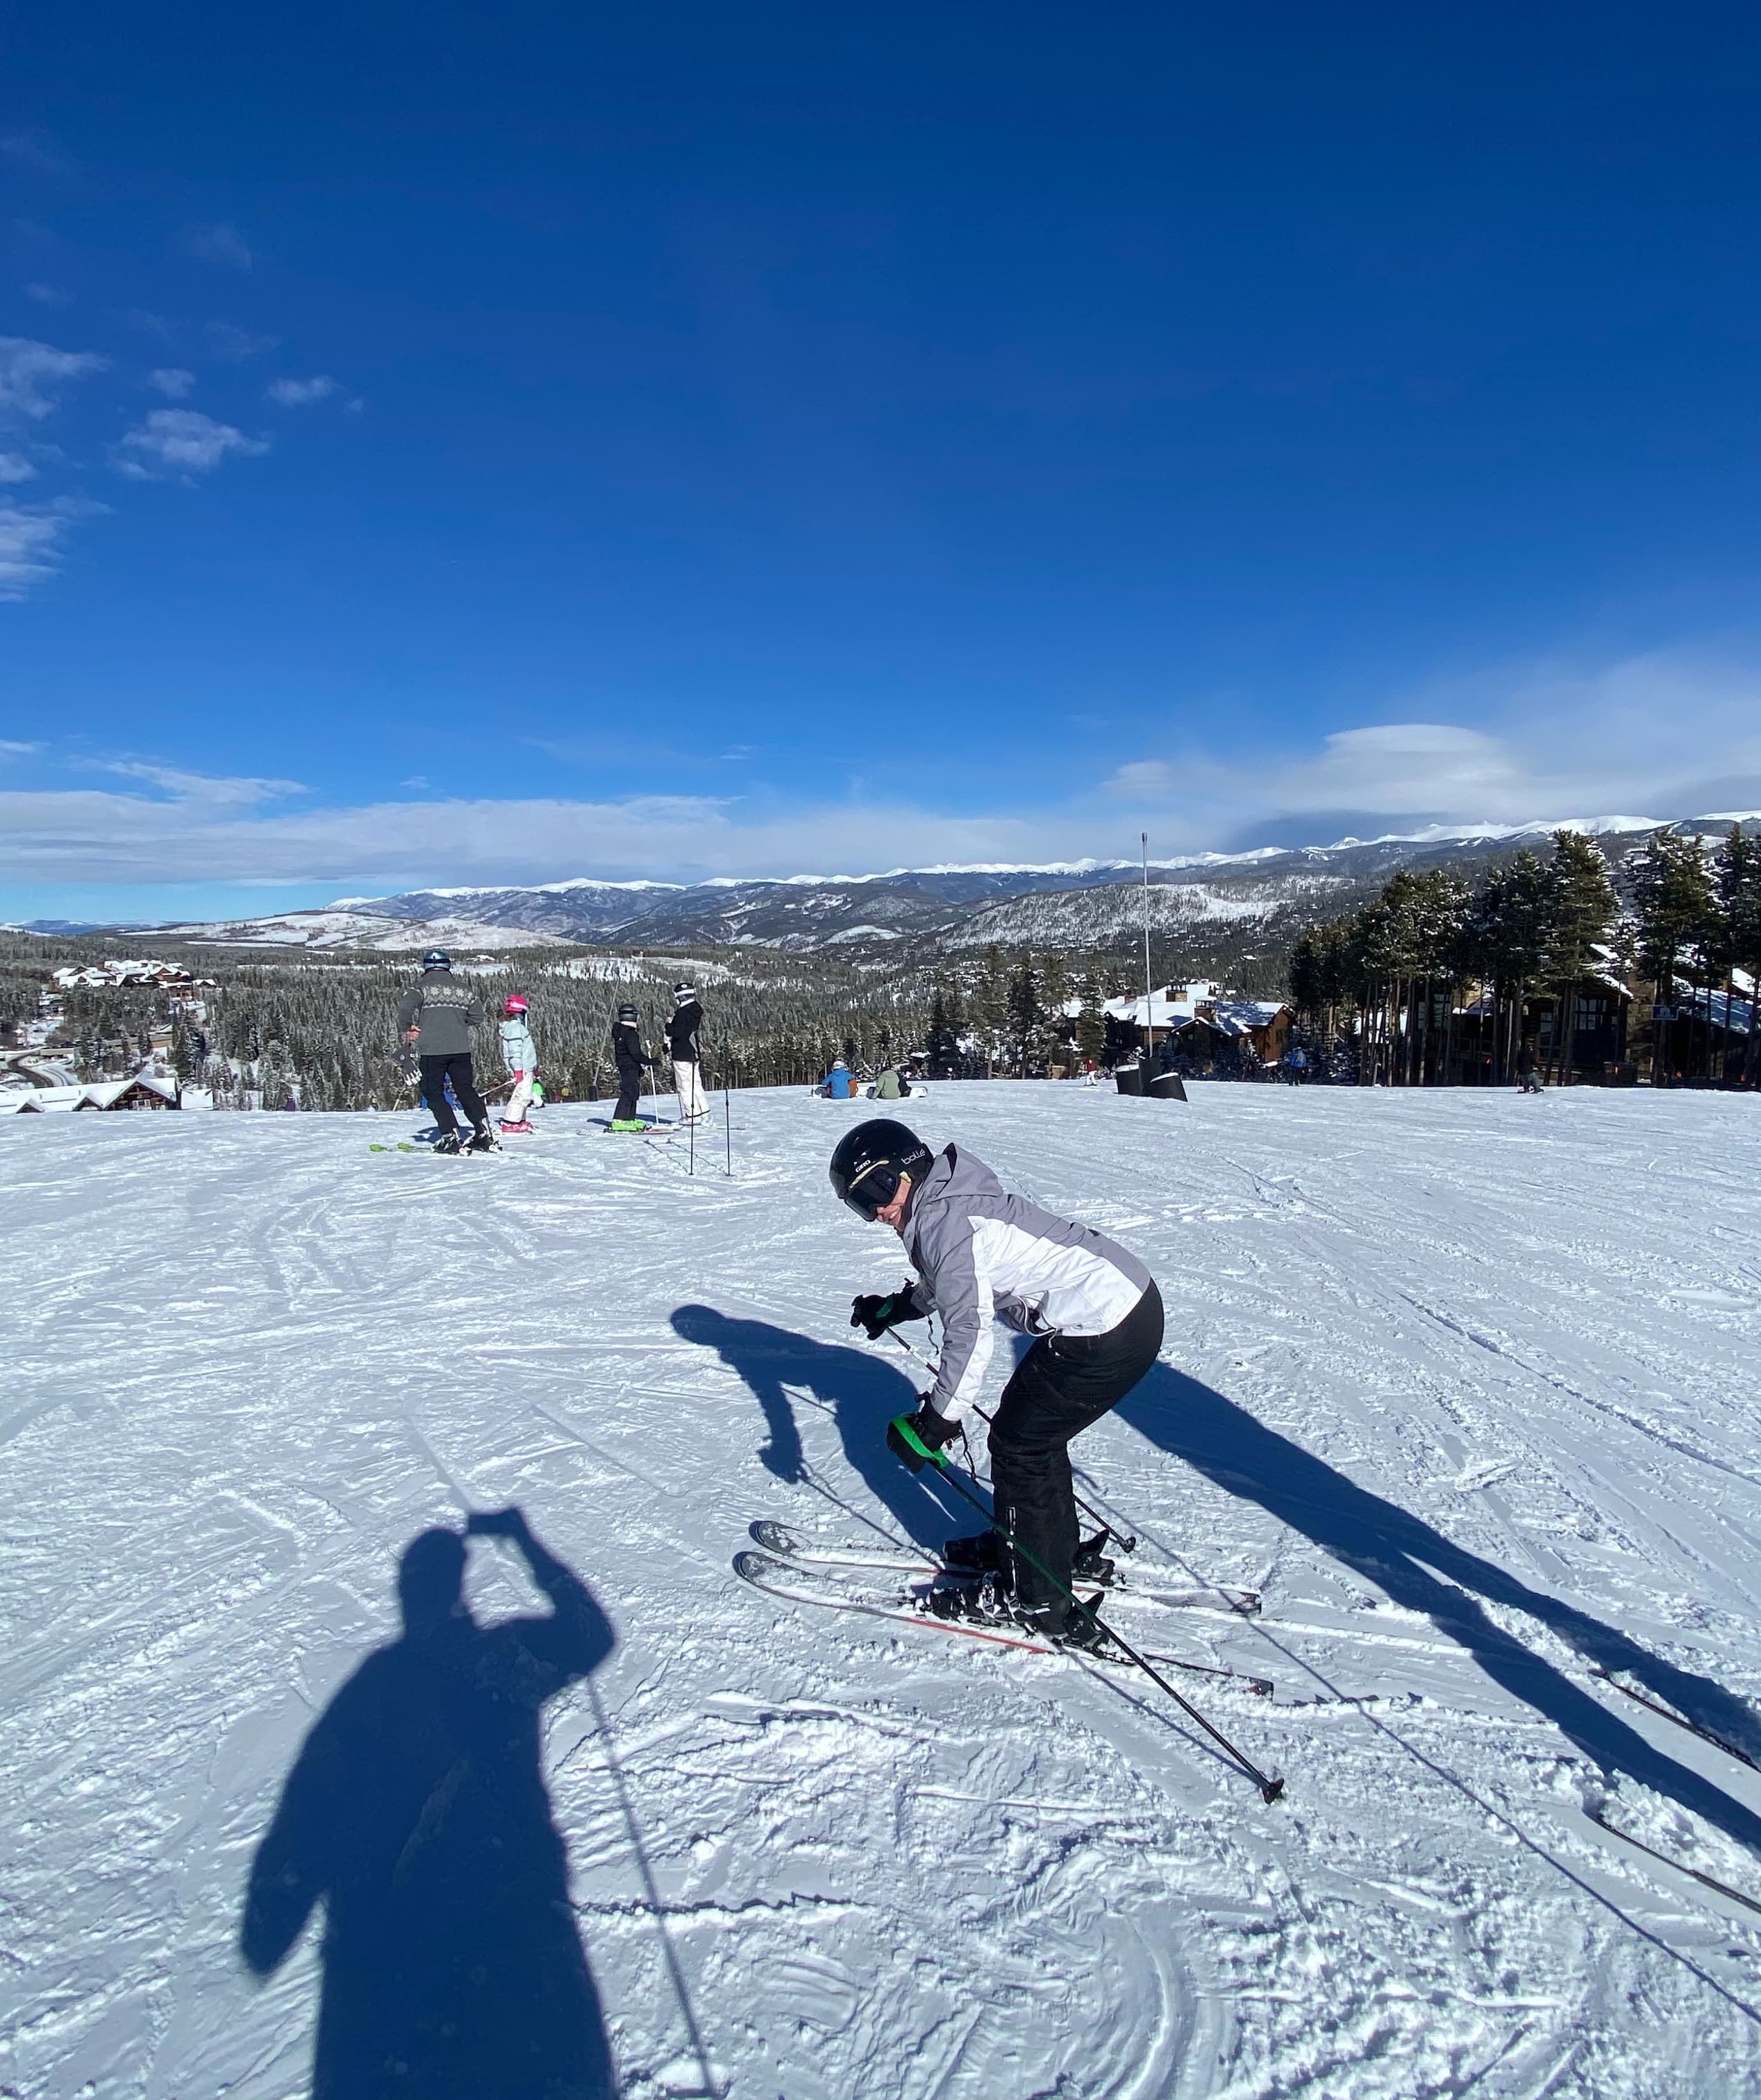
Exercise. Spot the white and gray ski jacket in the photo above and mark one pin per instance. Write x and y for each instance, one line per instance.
(518, 1052)
(979, 1251)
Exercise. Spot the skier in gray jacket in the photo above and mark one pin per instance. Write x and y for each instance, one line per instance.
(1096, 1315)
(438, 1014)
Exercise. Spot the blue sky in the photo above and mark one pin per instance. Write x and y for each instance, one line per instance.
(454, 444)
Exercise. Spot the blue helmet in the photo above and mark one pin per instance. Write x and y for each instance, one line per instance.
(437, 958)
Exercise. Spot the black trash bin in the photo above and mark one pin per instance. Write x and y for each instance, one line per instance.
(1128, 1079)
(1167, 1087)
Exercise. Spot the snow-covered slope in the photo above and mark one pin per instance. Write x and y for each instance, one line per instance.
(381, 932)
(1465, 1382)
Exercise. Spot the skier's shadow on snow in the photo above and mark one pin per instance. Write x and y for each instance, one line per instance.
(1421, 1569)
(417, 1813)
(861, 1392)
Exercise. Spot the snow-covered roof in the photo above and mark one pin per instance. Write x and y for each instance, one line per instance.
(1172, 1006)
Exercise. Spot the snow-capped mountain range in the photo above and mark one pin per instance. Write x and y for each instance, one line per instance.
(946, 909)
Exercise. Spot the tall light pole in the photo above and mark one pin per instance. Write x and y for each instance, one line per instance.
(1148, 1011)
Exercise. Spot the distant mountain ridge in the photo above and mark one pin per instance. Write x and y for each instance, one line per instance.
(1224, 908)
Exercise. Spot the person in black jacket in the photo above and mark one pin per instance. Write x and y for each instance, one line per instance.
(687, 1057)
(632, 1061)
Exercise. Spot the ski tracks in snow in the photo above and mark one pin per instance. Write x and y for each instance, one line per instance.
(252, 1361)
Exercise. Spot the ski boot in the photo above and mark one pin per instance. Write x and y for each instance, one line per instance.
(629, 1123)
(516, 1130)
(1091, 1565)
(447, 1141)
(980, 1554)
(483, 1139)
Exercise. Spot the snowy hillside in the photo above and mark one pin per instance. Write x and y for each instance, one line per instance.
(1084, 903)
(1106, 918)
(1465, 1383)
(371, 932)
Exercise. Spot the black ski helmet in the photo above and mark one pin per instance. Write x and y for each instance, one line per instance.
(626, 1012)
(684, 991)
(437, 958)
(870, 1162)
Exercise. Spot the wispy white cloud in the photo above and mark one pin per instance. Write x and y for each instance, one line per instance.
(297, 393)
(180, 443)
(215, 790)
(1652, 736)
(34, 148)
(48, 295)
(1552, 739)
(221, 243)
(14, 468)
(235, 346)
(173, 382)
(32, 539)
(10, 747)
(32, 374)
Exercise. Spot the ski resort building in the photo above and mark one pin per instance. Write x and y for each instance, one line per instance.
(147, 1090)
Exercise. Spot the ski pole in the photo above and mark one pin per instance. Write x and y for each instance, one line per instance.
(1089, 1510)
(727, 1108)
(1270, 1789)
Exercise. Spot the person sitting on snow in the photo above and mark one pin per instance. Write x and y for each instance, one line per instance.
(839, 1082)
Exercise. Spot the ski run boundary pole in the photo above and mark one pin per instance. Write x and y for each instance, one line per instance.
(1270, 1789)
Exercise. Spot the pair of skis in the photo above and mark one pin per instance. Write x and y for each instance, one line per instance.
(892, 1584)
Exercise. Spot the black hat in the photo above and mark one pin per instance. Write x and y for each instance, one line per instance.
(626, 1012)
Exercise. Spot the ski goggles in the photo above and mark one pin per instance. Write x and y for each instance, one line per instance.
(869, 1190)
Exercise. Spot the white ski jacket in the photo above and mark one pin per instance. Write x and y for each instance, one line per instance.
(979, 1251)
(518, 1053)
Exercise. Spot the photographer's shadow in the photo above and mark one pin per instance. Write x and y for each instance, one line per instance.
(417, 1813)
(861, 1392)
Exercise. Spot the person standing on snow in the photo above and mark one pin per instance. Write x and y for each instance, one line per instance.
(687, 1057)
(438, 1014)
(520, 1056)
(1096, 1315)
(632, 1060)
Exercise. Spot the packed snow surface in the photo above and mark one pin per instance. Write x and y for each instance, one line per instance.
(1466, 1383)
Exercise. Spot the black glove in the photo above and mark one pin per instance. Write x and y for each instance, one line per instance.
(930, 1429)
(877, 1314)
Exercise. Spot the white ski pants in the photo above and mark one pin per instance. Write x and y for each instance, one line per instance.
(687, 1079)
(520, 1099)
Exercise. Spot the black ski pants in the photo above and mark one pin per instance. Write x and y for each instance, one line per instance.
(435, 1072)
(1063, 1383)
(629, 1090)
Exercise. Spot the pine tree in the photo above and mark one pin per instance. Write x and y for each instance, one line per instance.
(1737, 880)
(1675, 907)
(1580, 904)
(941, 1047)
(1091, 1023)
(1026, 1016)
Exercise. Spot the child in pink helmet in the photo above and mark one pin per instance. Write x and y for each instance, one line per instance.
(520, 1056)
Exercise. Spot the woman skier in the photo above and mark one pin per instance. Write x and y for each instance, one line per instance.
(1096, 1315)
(687, 1056)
